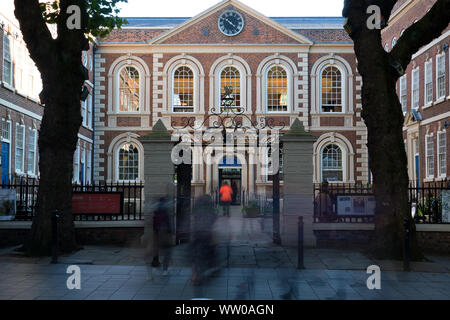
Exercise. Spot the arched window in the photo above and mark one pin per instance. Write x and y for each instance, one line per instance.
(332, 168)
(183, 90)
(331, 90)
(386, 47)
(277, 89)
(129, 89)
(231, 77)
(128, 163)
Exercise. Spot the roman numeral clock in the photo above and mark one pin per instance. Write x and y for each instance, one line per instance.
(231, 23)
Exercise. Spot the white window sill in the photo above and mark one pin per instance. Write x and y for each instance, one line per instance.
(8, 86)
(428, 105)
(429, 179)
(442, 99)
(442, 178)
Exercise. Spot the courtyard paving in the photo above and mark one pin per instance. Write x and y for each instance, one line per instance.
(250, 268)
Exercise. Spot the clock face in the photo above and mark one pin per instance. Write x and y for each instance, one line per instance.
(231, 23)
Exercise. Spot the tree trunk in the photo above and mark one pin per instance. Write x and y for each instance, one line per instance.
(58, 138)
(384, 119)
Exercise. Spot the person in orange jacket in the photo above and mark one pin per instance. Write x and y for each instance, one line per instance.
(226, 194)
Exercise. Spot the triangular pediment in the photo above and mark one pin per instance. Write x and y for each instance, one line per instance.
(203, 29)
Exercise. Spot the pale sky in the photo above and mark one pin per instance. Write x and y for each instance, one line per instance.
(270, 8)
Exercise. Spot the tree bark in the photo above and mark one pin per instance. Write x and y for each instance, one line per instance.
(383, 116)
(59, 62)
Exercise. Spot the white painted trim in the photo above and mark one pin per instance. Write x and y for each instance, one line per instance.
(428, 64)
(417, 72)
(431, 45)
(440, 99)
(20, 109)
(426, 158)
(436, 118)
(85, 138)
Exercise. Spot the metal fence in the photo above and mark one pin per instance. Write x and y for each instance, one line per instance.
(131, 196)
(326, 205)
(426, 201)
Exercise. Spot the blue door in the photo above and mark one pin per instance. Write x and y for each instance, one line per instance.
(5, 163)
(417, 171)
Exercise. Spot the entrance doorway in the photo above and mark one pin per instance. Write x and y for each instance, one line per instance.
(234, 179)
(231, 173)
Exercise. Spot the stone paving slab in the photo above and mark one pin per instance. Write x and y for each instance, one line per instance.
(31, 283)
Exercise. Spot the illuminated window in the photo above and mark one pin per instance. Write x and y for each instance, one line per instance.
(277, 88)
(331, 88)
(183, 90)
(128, 162)
(129, 90)
(231, 77)
(332, 169)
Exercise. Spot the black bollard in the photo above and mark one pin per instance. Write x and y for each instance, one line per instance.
(300, 244)
(406, 257)
(55, 217)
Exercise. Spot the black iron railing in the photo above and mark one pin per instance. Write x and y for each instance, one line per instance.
(426, 200)
(130, 195)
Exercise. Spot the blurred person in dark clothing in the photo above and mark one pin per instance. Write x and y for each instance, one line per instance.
(203, 247)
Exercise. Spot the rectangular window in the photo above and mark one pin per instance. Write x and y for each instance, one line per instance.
(83, 112)
(82, 165)
(88, 166)
(403, 99)
(7, 60)
(20, 145)
(415, 89)
(6, 131)
(442, 152)
(31, 164)
(89, 116)
(76, 165)
(440, 76)
(428, 82)
(430, 156)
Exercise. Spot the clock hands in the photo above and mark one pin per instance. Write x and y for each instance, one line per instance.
(227, 20)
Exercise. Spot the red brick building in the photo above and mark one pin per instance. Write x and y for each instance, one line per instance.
(21, 111)
(424, 94)
(282, 68)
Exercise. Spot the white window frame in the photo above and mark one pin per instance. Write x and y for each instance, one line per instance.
(194, 93)
(76, 165)
(242, 87)
(428, 80)
(10, 60)
(288, 88)
(33, 171)
(343, 89)
(117, 161)
(83, 161)
(88, 175)
(84, 111)
(442, 97)
(442, 174)
(89, 112)
(394, 42)
(404, 80)
(141, 89)
(19, 171)
(415, 89)
(428, 155)
(343, 160)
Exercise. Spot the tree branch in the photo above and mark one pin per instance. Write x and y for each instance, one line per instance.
(38, 38)
(421, 33)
